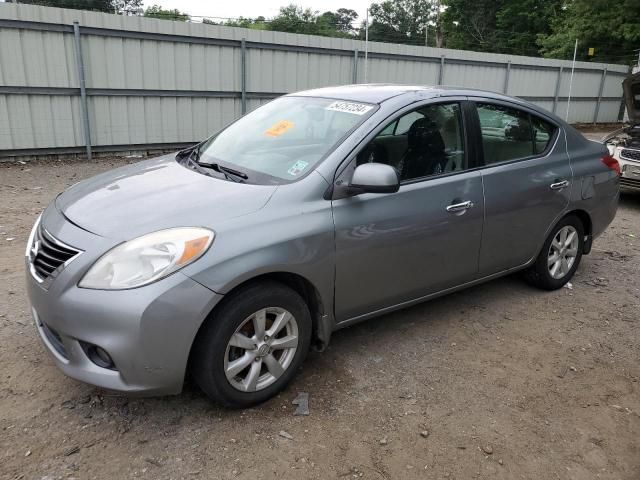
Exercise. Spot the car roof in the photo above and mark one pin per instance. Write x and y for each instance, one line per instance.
(368, 93)
(380, 92)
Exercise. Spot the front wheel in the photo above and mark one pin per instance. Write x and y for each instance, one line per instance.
(252, 346)
(560, 255)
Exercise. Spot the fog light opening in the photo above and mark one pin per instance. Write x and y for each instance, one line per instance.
(99, 356)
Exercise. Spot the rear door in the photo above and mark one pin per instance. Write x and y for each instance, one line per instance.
(527, 182)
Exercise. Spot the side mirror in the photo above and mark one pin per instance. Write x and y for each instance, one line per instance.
(375, 178)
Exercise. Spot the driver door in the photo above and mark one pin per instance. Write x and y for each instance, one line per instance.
(395, 248)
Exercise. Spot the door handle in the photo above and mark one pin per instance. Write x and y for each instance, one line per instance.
(460, 207)
(559, 185)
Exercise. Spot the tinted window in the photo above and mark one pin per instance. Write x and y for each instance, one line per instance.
(389, 129)
(506, 133)
(427, 141)
(509, 133)
(542, 134)
(405, 122)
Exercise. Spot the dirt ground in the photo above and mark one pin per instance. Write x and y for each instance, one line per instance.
(499, 381)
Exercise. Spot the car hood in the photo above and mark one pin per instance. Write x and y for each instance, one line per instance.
(155, 194)
(631, 87)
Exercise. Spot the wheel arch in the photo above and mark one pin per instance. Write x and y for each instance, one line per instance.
(321, 320)
(587, 223)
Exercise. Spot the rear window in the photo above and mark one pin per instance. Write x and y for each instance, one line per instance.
(510, 134)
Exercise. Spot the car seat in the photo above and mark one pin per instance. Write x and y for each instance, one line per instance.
(373, 153)
(425, 154)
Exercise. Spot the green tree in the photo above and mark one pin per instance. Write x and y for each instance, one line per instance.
(471, 24)
(519, 23)
(295, 19)
(242, 22)
(94, 5)
(612, 28)
(122, 7)
(505, 26)
(156, 11)
(400, 21)
(338, 22)
(127, 7)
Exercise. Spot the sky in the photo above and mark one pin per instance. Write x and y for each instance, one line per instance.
(255, 8)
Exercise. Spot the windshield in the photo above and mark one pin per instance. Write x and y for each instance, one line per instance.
(285, 138)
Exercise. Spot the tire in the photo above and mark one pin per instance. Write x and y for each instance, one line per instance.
(239, 317)
(540, 273)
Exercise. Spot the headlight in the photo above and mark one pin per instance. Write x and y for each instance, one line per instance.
(148, 258)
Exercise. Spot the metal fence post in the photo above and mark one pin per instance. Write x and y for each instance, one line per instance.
(597, 110)
(623, 104)
(83, 90)
(441, 72)
(555, 96)
(355, 66)
(506, 78)
(243, 75)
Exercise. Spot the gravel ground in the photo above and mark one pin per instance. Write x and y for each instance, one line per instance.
(499, 381)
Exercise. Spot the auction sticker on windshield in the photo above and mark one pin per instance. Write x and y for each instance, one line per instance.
(297, 168)
(349, 107)
(279, 128)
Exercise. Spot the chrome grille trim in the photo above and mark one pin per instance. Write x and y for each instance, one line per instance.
(48, 256)
(628, 154)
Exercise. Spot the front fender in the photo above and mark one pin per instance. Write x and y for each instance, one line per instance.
(293, 234)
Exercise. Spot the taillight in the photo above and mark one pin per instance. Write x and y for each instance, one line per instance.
(612, 163)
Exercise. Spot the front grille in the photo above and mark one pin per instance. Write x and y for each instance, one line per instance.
(48, 253)
(630, 182)
(630, 154)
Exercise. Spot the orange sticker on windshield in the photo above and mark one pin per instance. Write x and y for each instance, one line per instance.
(279, 128)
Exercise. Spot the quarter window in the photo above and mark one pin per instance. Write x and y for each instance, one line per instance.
(542, 134)
(510, 134)
(427, 141)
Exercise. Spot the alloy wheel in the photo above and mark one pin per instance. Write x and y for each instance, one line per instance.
(563, 252)
(261, 349)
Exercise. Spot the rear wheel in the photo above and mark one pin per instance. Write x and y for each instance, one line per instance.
(560, 255)
(252, 346)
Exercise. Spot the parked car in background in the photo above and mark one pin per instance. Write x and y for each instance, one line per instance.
(624, 144)
(316, 211)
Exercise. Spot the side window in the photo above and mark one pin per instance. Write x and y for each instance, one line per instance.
(405, 122)
(542, 134)
(389, 129)
(506, 133)
(427, 141)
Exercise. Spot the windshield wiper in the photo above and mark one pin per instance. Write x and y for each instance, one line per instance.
(229, 173)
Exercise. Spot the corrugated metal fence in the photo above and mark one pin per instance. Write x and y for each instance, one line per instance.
(132, 83)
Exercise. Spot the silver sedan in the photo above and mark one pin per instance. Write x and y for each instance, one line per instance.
(230, 259)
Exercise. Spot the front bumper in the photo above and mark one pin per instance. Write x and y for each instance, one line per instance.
(147, 331)
(630, 168)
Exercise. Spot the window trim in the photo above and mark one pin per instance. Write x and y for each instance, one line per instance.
(466, 133)
(482, 163)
